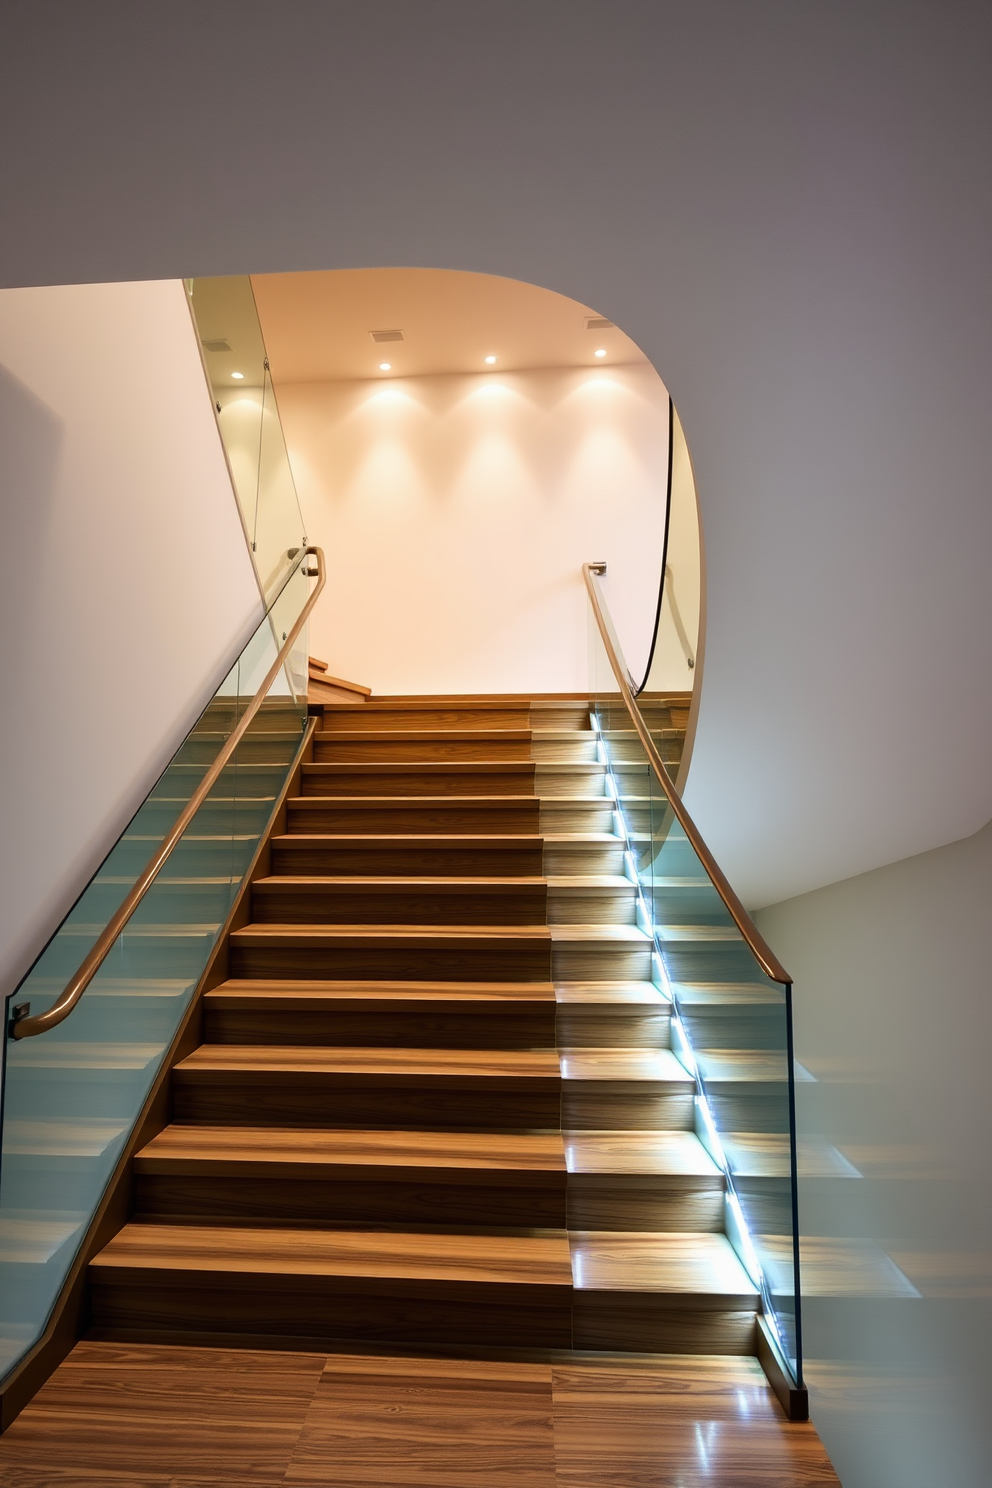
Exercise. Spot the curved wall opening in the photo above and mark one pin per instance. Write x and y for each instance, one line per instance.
(461, 443)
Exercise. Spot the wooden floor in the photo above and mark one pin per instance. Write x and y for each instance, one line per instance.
(134, 1416)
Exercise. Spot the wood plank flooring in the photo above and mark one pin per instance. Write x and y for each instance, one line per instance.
(148, 1416)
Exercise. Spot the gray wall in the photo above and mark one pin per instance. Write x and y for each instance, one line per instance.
(894, 1021)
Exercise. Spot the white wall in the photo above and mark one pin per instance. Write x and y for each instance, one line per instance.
(125, 581)
(893, 1018)
(456, 513)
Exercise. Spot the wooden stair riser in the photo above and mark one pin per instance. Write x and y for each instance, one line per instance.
(429, 1025)
(510, 746)
(410, 1199)
(389, 857)
(388, 718)
(554, 781)
(515, 779)
(593, 961)
(625, 1105)
(293, 902)
(651, 1322)
(553, 715)
(366, 1101)
(564, 748)
(575, 815)
(506, 958)
(594, 905)
(564, 859)
(161, 1306)
(336, 1308)
(634, 1202)
(611, 1026)
(469, 816)
(413, 1200)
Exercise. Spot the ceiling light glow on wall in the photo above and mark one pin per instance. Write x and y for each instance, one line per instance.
(601, 352)
(490, 361)
(238, 376)
(385, 366)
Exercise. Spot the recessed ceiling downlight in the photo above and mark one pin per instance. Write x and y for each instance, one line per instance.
(238, 376)
(490, 361)
(601, 352)
(385, 366)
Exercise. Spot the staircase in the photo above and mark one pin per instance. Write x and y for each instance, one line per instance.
(435, 1106)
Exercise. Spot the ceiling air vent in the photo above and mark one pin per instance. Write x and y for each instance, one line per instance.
(219, 345)
(379, 336)
(598, 323)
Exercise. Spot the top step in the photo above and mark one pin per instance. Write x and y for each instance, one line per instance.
(454, 713)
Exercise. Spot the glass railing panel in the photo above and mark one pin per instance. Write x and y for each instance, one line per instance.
(72, 1095)
(731, 1022)
(237, 367)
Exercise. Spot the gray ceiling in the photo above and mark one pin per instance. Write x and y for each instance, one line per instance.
(786, 206)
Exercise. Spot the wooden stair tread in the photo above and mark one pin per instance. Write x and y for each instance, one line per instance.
(605, 933)
(291, 994)
(217, 1060)
(258, 1151)
(569, 881)
(516, 1260)
(641, 1065)
(704, 1265)
(658, 1153)
(323, 935)
(612, 993)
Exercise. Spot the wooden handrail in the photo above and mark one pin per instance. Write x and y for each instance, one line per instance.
(759, 948)
(27, 1027)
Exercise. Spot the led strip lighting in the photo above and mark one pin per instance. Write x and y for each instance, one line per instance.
(737, 1227)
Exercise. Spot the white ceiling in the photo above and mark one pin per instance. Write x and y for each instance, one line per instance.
(786, 208)
(318, 327)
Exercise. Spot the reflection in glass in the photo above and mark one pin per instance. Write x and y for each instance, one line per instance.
(730, 1022)
(238, 371)
(73, 1094)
